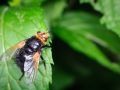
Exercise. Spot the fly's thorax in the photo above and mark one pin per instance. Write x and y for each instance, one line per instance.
(28, 50)
(32, 45)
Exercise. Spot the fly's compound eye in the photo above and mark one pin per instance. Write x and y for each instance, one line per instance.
(42, 36)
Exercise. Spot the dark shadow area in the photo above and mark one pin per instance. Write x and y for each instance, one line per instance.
(88, 74)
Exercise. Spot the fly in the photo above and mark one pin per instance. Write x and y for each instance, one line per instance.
(27, 54)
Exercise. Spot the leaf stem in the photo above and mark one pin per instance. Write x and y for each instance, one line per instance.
(2, 32)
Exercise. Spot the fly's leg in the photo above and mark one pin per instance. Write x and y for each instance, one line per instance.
(46, 46)
(21, 76)
(22, 70)
(21, 66)
(42, 61)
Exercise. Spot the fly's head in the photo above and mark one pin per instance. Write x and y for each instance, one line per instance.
(42, 36)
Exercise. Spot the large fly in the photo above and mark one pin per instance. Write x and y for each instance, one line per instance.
(27, 54)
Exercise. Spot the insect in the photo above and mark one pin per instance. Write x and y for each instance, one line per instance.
(27, 54)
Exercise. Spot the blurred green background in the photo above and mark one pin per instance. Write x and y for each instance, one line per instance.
(86, 42)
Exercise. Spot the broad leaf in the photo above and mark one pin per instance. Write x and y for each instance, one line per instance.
(25, 2)
(85, 24)
(17, 24)
(54, 10)
(110, 11)
(79, 30)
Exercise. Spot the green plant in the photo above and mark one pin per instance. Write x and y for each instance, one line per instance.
(17, 24)
(92, 30)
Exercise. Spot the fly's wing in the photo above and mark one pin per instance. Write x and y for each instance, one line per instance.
(31, 67)
(11, 51)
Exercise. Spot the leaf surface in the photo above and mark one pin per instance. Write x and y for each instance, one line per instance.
(79, 30)
(17, 24)
(110, 11)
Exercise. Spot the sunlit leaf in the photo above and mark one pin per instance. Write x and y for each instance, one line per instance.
(110, 11)
(17, 24)
(25, 2)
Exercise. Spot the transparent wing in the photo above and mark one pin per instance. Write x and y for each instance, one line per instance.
(8, 54)
(31, 67)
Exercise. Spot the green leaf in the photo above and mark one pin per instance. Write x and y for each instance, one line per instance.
(90, 27)
(79, 30)
(17, 24)
(54, 10)
(110, 11)
(14, 2)
(25, 2)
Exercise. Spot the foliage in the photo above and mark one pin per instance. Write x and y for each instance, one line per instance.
(84, 31)
(17, 24)
(88, 27)
(110, 11)
(79, 33)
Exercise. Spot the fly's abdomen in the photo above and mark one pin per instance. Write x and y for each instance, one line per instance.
(21, 57)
